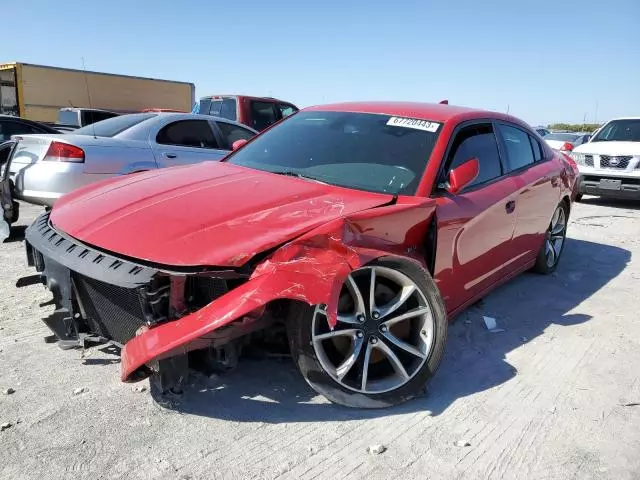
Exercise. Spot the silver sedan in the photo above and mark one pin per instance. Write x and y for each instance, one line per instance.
(45, 167)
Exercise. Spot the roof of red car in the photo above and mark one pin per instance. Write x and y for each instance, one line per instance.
(426, 111)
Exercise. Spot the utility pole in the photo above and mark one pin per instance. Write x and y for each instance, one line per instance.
(595, 118)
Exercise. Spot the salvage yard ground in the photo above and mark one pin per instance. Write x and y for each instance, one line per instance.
(554, 396)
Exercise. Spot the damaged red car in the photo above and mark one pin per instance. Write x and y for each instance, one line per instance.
(360, 228)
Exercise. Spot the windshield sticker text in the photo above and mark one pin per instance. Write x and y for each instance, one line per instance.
(414, 123)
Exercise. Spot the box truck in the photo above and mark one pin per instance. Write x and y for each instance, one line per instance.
(38, 92)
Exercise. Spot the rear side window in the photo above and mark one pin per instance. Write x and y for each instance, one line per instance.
(477, 141)
(537, 150)
(188, 133)
(232, 133)
(89, 117)
(16, 128)
(518, 146)
(286, 110)
(113, 126)
(263, 114)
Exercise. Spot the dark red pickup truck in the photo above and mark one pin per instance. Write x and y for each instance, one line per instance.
(255, 112)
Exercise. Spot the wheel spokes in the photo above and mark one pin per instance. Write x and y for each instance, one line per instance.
(365, 367)
(372, 292)
(346, 366)
(349, 332)
(406, 316)
(397, 301)
(394, 360)
(403, 345)
(550, 253)
(355, 293)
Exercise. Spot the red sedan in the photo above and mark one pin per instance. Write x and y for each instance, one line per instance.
(361, 228)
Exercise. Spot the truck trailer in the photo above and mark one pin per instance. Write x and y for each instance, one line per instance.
(38, 92)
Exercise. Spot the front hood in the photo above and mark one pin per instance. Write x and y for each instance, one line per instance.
(212, 214)
(609, 148)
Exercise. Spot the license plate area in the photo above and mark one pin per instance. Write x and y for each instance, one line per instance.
(610, 184)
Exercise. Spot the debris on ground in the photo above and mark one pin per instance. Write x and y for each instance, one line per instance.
(630, 404)
(140, 388)
(552, 409)
(462, 443)
(376, 449)
(492, 325)
(9, 391)
(5, 425)
(80, 390)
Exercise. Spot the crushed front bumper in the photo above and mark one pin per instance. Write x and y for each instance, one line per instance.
(94, 293)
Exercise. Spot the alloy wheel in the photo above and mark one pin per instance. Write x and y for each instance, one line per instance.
(555, 236)
(384, 334)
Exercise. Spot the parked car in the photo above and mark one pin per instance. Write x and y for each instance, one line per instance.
(45, 167)
(542, 131)
(81, 117)
(609, 163)
(360, 227)
(565, 142)
(256, 112)
(10, 125)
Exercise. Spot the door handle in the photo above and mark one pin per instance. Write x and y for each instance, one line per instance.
(510, 206)
(170, 155)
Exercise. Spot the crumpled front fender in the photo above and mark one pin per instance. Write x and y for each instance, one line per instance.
(311, 268)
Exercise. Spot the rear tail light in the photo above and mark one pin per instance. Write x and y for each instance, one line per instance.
(63, 152)
(567, 147)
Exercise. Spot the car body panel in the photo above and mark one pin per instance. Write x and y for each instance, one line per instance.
(269, 209)
(299, 239)
(311, 269)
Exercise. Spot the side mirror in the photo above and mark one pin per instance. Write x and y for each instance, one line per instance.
(238, 144)
(463, 175)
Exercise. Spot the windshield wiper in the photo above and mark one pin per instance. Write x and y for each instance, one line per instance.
(291, 173)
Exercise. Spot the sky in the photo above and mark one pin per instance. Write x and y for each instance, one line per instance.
(543, 61)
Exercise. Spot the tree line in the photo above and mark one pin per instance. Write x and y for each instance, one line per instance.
(575, 127)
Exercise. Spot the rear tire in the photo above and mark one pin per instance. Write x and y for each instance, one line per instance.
(377, 355)
(554, 240)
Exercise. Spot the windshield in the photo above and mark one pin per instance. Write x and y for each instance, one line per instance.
(619, 131)
(563, 137)
(372, 152)
(113, 126)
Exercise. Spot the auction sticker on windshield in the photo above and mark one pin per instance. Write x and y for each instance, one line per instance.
(414, 123)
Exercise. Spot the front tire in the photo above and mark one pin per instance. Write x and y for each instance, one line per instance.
(387, 344)
(554, 240)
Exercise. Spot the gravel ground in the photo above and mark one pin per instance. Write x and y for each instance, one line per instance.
(554, 396)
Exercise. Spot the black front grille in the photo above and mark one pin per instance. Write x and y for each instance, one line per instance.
(201, 291)
(588, 160)
(112, 312)
(614, 162)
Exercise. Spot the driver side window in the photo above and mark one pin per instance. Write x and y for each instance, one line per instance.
(477, 141)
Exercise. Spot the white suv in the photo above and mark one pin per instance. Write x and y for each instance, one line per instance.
(609, 163)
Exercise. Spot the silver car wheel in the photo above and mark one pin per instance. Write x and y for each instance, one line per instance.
(384, 334)
(555, 236)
